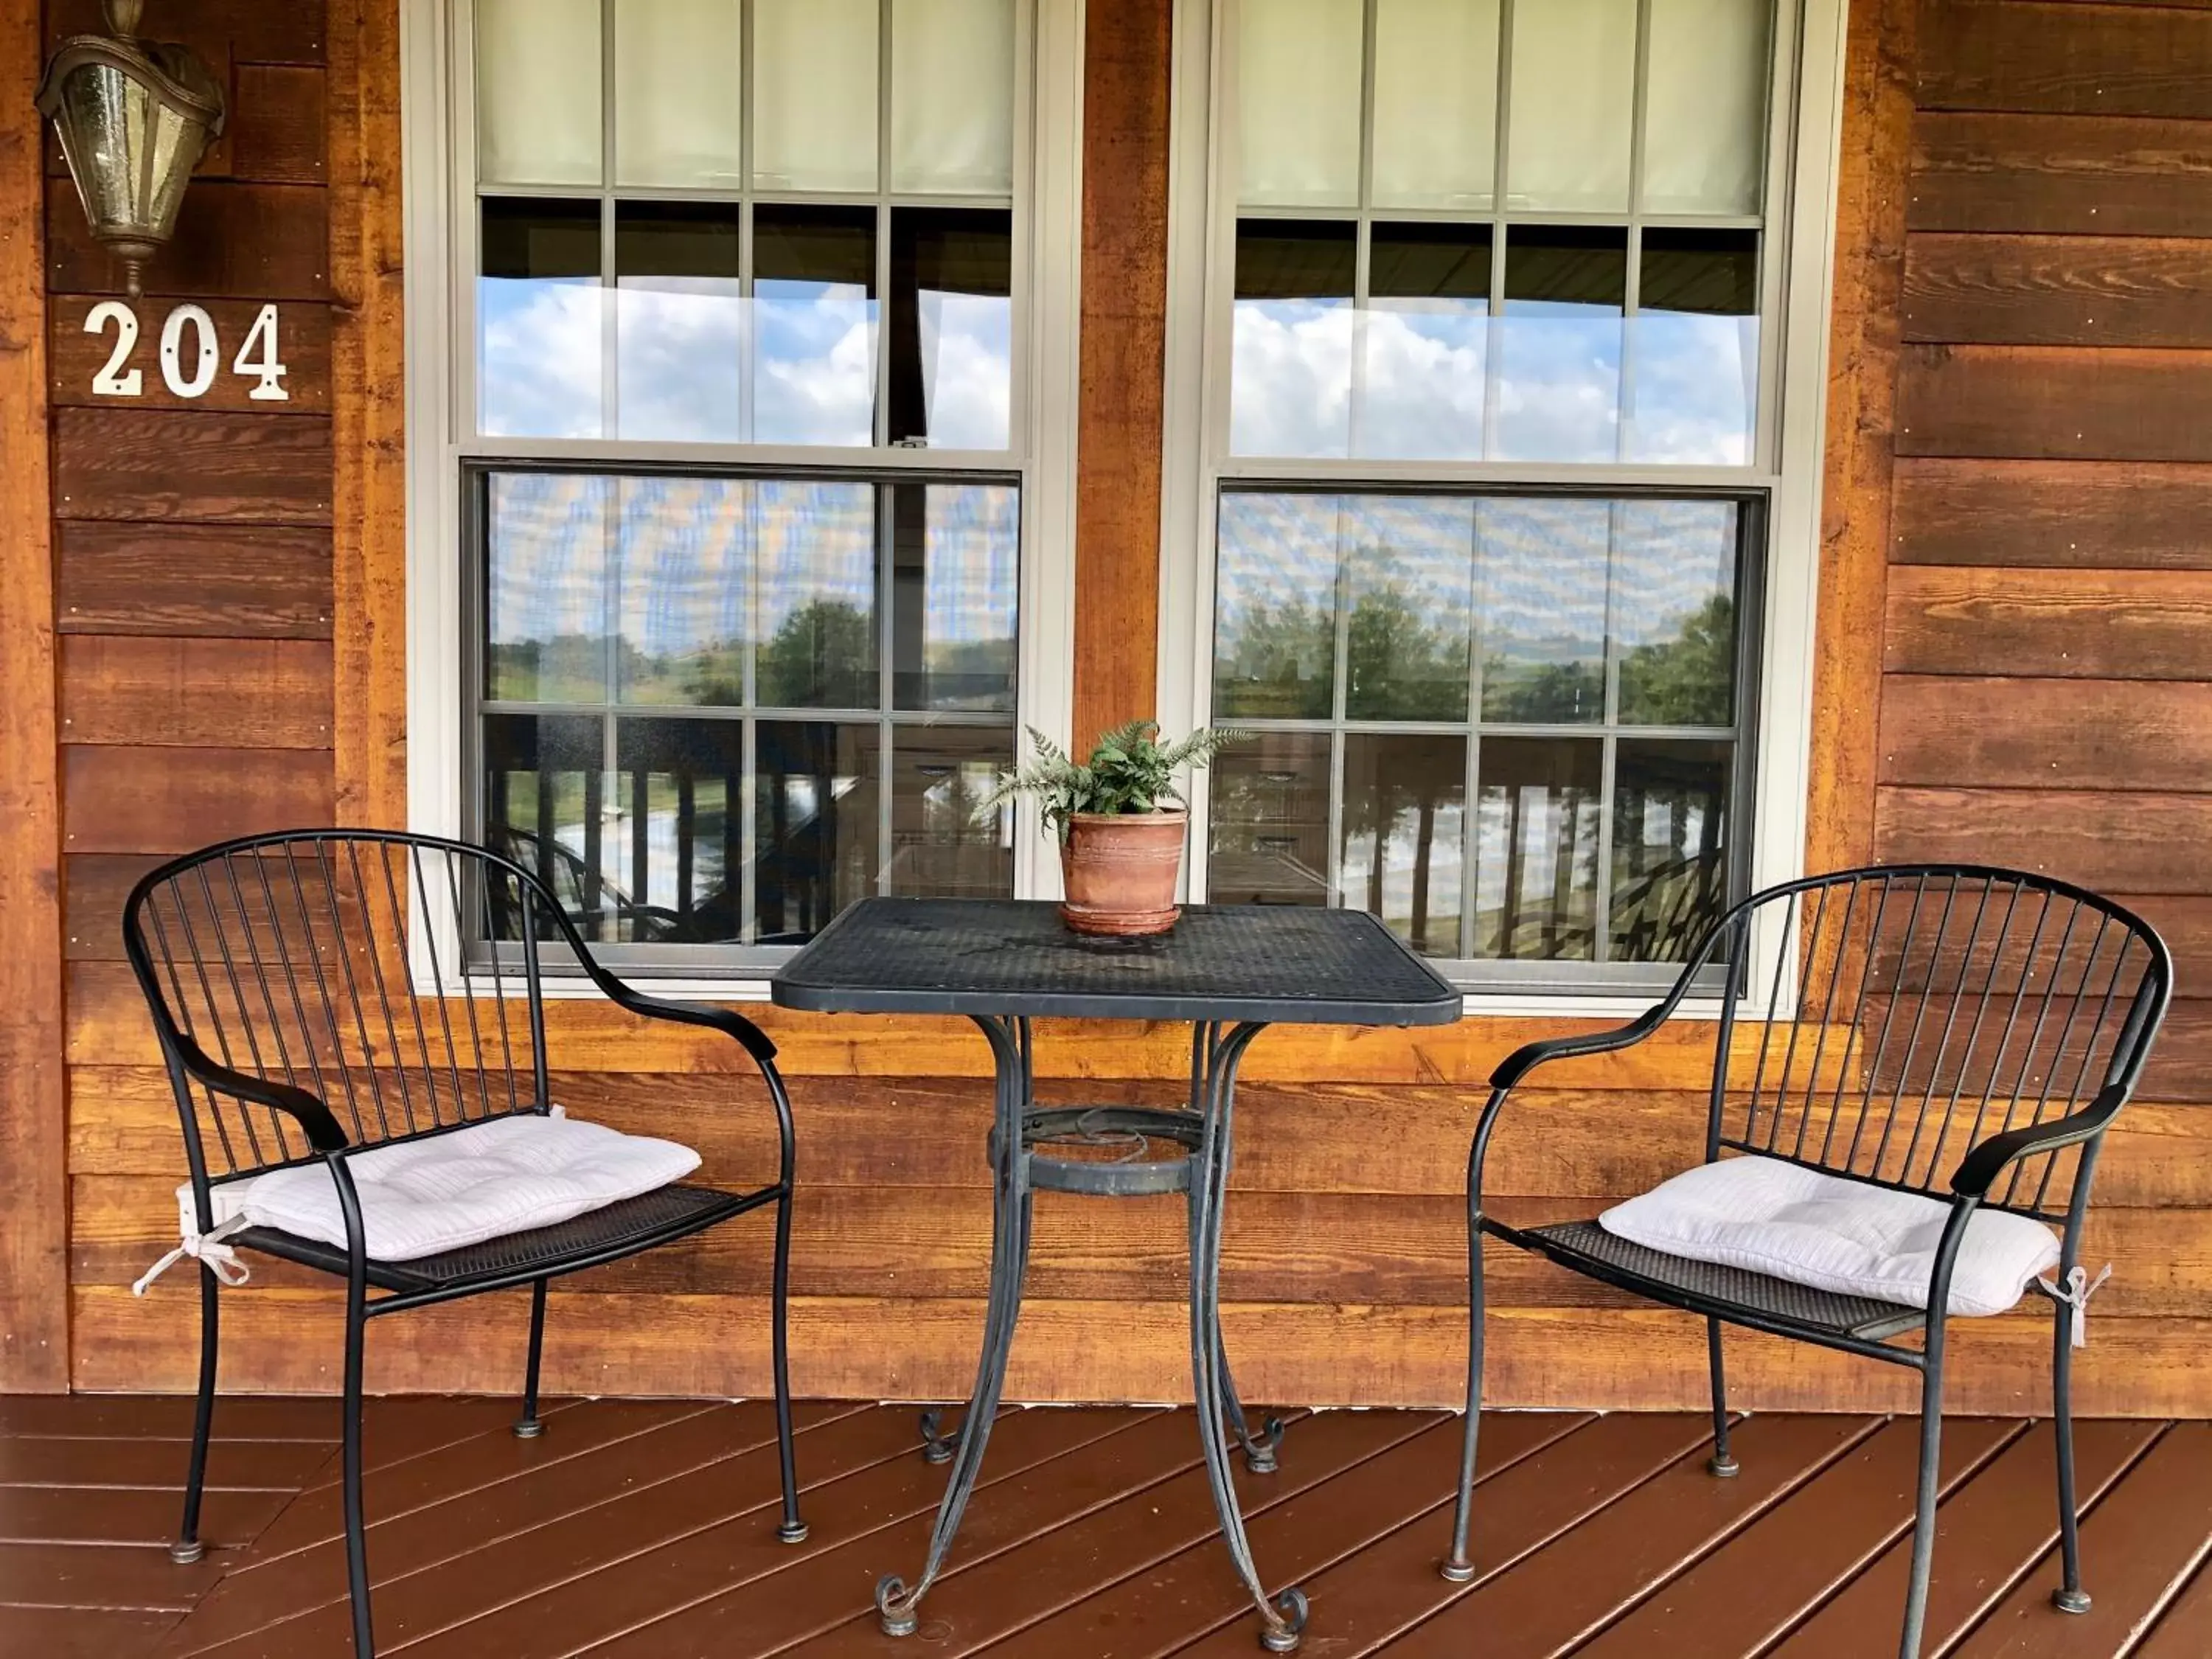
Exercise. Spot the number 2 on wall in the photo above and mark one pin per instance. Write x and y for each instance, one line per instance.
(187, 371)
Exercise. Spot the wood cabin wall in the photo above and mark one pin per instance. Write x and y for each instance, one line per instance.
(230, 597)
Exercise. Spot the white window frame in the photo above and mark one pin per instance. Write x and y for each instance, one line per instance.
(1802, 168)
(439, 192)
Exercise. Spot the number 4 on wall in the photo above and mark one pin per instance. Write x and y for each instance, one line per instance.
(187, 374)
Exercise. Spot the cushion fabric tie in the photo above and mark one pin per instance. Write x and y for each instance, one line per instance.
(2078, 1289)
(206, 1248)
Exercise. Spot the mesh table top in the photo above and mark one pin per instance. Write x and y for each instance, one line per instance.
(1221, 962)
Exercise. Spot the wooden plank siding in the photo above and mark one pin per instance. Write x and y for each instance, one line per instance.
(2012, 667)
(2047, 687)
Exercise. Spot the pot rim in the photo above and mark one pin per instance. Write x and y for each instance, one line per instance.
(1164, 816)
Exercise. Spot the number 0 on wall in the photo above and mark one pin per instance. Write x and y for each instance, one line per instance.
(190, 353)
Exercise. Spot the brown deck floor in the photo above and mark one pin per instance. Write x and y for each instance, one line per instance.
(646, 1529)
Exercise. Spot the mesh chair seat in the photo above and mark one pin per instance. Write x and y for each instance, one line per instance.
(1586, 1248)
(607, 1234)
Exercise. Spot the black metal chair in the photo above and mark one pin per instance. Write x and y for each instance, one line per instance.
(307, 1011)
(1919, 1019)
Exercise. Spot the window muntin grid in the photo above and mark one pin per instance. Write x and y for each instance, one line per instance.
(712, 257)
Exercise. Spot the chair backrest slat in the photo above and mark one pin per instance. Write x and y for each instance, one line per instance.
(1912, 1010)
(330, 961)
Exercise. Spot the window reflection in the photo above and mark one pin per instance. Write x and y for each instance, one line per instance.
(815, 823)
(1425, 342)
(1536, 849)
(1409, 569)
(1693, 349)
(685, 558)
(1270, 821)
(814, 325)
(1540, 603)
(679, 321)
(1275, 607)
(545, 594)
(1674, 611)
(956, 557)
(545, 784)
(538, 320)
(1404, 805)
(1671, 811)
(940, 774)
(1558, 391)
(952, 327)
(1290, 383)
(677, 837)
(817, 621)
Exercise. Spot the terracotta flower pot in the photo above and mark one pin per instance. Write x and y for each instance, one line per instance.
(1120, 871)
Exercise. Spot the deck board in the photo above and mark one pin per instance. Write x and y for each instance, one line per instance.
(644, 1531)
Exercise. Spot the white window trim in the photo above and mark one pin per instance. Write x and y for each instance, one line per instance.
(432, 43)
(1200, 237)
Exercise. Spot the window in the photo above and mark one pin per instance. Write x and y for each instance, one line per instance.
(745, 482)
(1491, 443)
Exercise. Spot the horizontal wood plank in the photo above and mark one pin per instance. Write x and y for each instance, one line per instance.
(243, 28)
(2072, 624)
(243, 241)
(2142, 844)
(2046, 733)
(908, 1348)
(279, 127)
(2065, 58)
(262, 694)
(125, 800)
(2055, 403)
(1311, 1247)
(191, 464)
(2084, 174)
(2102, 515)
(2057, 290)
(75, 355)
(223, 581)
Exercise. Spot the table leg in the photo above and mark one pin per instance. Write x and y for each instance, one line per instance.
(1259, 1446)
(1283, 1617)
(898, 1605)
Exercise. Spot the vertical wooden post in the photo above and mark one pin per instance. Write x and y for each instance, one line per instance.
(369, 414)
(1855, 531)
(1127, 78)
(33, 1170)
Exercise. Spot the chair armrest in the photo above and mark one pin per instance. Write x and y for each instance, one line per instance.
(748, 1036)
(1527, 1058)
(310, 1114)
(1978, 1170)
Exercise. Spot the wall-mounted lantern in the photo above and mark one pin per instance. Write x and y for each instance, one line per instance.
(133, 116)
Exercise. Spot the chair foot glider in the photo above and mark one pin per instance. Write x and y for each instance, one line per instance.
(1914, 1068)
(359, 1099)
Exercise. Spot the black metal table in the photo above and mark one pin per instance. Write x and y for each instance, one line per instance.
(1231, 971)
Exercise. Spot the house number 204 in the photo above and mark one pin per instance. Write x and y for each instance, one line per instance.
(190, 353)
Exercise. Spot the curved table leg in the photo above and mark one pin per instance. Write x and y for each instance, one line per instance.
(1258, 1446)
(1284, 1617)
(897, 1604)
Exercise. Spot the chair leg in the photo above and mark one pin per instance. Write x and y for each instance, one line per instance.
(530, 1425)
(1923, 1524)
(1722, 1461)
(356, 1533)
(2069, 1596)
(1459, 1566)
(793, 1530)
(188, 1548)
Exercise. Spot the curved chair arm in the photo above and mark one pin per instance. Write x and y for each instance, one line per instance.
(1527, 1058)
(310, 1114)
(736, 1026)
(1978, 1170)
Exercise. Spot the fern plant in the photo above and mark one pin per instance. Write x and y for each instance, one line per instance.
(1130, 770)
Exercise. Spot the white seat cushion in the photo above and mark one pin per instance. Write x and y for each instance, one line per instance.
(420, 1198)
(1790, 1222)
